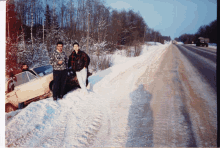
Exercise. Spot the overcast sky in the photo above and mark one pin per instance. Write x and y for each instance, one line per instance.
(171, 17)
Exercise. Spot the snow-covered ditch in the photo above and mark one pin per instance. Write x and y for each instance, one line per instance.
(76, 120)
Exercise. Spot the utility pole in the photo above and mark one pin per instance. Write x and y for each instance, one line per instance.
(87, 48)
(155, 38)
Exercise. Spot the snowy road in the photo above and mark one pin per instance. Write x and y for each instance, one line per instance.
(183, 105)
(204, 60)
(156, 99)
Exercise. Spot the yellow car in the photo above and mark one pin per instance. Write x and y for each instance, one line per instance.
(28, 86)
(33, 85)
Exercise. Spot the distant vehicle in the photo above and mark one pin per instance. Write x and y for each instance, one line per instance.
(174, 41)
(34, 85)
(202, 41)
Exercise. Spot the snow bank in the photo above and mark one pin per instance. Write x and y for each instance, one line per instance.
(211, 45)
(180, 43)
(75, 120)
(154, 43)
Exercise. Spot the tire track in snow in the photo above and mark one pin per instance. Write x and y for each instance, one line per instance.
(56, 137)
(88, 136)
(83, 133)
(117, 121)
(72, 132)
(67, 125)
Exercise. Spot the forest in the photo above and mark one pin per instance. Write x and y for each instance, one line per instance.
(33, 28)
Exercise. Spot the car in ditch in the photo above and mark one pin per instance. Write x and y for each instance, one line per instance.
(33, 85)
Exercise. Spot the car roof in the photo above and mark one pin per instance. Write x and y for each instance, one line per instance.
(29, 69)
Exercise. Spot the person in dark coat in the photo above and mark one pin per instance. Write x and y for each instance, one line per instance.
(79, 62)
(59, 62)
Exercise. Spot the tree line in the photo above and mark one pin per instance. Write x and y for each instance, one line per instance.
(33, 23)
(206, 31)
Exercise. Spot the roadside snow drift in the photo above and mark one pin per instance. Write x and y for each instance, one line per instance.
(78, 120)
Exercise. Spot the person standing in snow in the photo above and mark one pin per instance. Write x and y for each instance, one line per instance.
(59, 62)
(79, 62)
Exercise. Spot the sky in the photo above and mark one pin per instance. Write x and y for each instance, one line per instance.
(171, 17)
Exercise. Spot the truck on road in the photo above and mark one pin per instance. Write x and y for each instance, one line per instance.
(202, 41)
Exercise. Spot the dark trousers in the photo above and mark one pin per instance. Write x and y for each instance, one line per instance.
(59, 82)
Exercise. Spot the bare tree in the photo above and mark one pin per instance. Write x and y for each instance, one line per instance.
(32, 23)
(87, 48)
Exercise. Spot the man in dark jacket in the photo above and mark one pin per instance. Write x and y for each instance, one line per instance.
(79, 62)
(59, 62)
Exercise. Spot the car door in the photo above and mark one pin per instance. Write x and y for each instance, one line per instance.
(46, 75)
(37, 83)
(27, 86)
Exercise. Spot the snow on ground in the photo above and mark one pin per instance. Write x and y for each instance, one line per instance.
(180, 43)
(154, 43)
(211, 45)
(75, 120)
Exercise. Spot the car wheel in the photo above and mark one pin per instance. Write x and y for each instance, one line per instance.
(9, 108)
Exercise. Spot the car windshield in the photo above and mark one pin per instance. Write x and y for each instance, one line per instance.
(21, 78)
(43, 70)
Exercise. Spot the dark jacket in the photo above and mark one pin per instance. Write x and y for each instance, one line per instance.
(78, 61)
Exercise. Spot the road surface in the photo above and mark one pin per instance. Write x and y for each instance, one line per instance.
(171, 107)
(204, 60)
